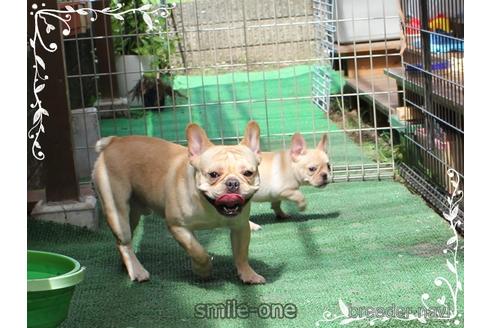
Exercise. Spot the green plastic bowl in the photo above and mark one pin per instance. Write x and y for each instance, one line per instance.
(51, 281)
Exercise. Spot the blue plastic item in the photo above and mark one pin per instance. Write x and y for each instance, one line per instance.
(441, 43)
(434, 67)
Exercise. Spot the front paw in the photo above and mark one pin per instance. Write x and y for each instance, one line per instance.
(203, 270)
(254, 227)
(139, 274)
(302, 206)
(249, 276)
(282, 216)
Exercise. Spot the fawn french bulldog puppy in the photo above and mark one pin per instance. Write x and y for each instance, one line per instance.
(202, 186)
(282, 173)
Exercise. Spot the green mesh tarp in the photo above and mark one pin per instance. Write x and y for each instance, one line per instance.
(279, 100)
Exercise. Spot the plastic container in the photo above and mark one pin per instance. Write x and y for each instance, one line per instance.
(364, 21)
(51, 281)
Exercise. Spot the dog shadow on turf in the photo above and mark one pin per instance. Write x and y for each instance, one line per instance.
(223, 271)
(265, 219)
(166, 260)
(304, 231)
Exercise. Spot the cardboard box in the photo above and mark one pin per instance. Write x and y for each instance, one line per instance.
(408, 113)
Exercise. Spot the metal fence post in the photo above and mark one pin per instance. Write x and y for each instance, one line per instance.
(427, 65)
(108, 85)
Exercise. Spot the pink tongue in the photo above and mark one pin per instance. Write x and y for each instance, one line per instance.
(230, 200)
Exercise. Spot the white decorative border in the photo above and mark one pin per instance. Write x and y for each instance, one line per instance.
(454, 288)
(64, 16)
(147, 11)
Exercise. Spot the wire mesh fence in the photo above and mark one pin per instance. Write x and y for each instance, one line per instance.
(434, 89)
(305, 66)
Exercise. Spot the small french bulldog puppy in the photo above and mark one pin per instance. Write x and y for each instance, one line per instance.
(202, 186)
(282, 173)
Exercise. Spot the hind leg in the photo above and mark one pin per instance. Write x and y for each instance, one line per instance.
(278, 210)
(135, 269)
(123, 232)
(114, 199)
(136, 212)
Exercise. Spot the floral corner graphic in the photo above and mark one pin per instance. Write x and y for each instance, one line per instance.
(64, 16)
(454, 287)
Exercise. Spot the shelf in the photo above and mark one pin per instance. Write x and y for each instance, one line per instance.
(385, 102)
(393, 45)
(441, 93)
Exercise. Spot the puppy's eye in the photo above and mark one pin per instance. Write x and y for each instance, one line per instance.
(329, 166)
(312, 168)
(214, 175)
(247, 173)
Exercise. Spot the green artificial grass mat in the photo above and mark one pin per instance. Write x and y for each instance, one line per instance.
(368, 243)
(222, 104)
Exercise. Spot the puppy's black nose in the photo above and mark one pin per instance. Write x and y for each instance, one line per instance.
(324, 176)
(232, 184)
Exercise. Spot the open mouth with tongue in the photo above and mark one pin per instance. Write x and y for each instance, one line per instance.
(228, 204)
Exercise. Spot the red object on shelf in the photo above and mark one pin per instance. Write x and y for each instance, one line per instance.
(440, 22)
(413, 26)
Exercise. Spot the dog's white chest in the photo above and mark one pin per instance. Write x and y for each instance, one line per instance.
(271, 183)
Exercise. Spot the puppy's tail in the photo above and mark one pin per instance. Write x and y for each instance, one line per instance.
(103, 143)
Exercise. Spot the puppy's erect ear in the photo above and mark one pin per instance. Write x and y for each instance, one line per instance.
(252, 137)
(323, 142)
(298, 146)
(197, 141)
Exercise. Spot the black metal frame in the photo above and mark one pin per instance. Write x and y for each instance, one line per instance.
(434, 90)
